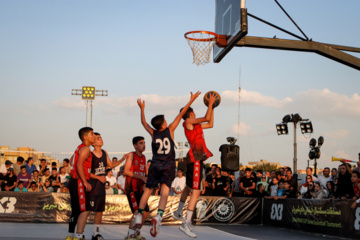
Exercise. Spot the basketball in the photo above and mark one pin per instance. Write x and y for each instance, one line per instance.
(217, 101)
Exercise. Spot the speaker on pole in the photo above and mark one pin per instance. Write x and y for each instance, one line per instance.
(230, 157)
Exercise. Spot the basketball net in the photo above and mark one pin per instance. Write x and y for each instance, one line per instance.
(201, 44)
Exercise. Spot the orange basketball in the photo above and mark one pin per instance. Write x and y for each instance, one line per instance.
(217, 101)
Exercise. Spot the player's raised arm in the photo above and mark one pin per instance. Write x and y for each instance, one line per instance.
(208, 119)
(177, 120)
(117, 163)
(142, 114)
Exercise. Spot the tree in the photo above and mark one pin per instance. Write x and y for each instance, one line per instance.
(267, 167)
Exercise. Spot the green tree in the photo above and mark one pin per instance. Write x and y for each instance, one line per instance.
(267, 167)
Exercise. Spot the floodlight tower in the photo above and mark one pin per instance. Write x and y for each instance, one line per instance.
(88, 94)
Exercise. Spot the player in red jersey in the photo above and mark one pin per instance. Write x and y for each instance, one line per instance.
(80, 174)
(198, 153)
(135, 172)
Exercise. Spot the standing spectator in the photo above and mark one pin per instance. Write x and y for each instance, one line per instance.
(30, 167)
(17, 165)
(116, 169)
(279, 176)
(325, 178)
(20, 187)
(334, 174)
(35, 177)
(274, 187)
(259, 175)
(330, 189)
(46, 187)
(219, 184)
(55, 179)
(310, 192)
(5, 166)
(110, 178)
(121, 180)
(231, 185)
(319, 192)
(263, 181)
(282, 172)
(356, 169)
(304, 187)
(209, 180)
(53, 165)
(247, 183)
(178, 185)
(281, 190)
(355, 179)
(236, 186)
(33, 187)
(42, 167)
(9, 180)
(292, 181)
(261, 193)
(309, 171)
(227, 177)
(344, 187)
(66, 165)
(24, 177)
(1, 179)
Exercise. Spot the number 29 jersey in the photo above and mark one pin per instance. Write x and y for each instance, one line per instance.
(163, 147)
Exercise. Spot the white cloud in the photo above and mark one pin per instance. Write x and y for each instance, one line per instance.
(337, 134)
(241, 128)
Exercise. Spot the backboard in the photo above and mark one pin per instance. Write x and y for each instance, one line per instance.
(230, 20)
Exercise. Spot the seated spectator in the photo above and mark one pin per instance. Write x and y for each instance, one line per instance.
(121, 181)
(45, 176)
(53, 165)
(66, 165)
(20, 187)
(274, 187)
(263, 181)
(310, 192)
(304, 187)
(9, 180)
(220, 184)
(236, 191)
(345, 189)
(355, 179)
(281, 190)
(259, 174)
(46, 186)
(64, 180)
(35, 177)
(55, 179)
(30, 167)
(7, 188)
(5, 166)
(178, 185)
(325, 177)
(18, 164)
(1, 180)
(110, 178)
(24, 177)
(261, 193)
(319, 192)
(33, 187)
(108, 189)
(309, 171)
(330, 190)
(42, 167)
(334, 174)
(247, 184)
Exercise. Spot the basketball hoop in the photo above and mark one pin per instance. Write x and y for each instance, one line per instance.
(201, 44)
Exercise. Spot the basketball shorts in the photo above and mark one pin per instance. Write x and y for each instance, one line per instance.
(96, 203)
(134, 201)
(160, 172)
(78, 196)
(194, 174)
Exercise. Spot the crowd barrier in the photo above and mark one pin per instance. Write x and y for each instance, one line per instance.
(330, 217)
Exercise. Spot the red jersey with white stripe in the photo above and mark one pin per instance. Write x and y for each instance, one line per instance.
(138, 166)
(87, 164)
(198, 149)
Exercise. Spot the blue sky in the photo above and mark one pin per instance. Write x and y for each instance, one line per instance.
(137, 49)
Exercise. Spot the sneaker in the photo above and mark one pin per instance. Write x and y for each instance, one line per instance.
(178, 216)
(139, 237)
(97, 237)
(82, 238)
(131, 237)
(185, 228)
(155, 222)
(69, 238)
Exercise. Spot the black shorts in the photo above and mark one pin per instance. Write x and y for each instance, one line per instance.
(160, 172)
(74, 196)
(194, 174)
(134, 205)
(96, 203)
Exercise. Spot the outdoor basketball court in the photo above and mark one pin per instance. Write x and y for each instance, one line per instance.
(56, 231)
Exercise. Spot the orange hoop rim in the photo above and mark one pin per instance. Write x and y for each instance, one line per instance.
(202, 39)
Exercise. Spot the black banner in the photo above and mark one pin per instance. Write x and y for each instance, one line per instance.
(330, 217)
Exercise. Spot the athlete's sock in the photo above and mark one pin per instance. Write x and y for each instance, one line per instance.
(160, 212)
(189, 214)
(79, 235)
(181, 206)
(140, 211)
(71, 235)
(96, 229)
(130, 231)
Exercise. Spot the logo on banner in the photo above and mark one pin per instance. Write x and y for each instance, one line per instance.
(357, 219)
(7, 204)
(223, 209)
(276, 211)
(201, 207)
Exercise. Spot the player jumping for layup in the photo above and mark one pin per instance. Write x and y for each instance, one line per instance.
(162, 167)
(197, 154)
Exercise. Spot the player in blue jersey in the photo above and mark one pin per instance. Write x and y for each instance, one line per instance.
(162, 167)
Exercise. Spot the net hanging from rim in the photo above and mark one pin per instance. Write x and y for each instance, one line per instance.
(201, 44)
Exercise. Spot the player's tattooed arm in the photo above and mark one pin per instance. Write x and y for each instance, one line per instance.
(142, 115)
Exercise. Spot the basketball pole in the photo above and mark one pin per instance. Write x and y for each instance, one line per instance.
(242, 4)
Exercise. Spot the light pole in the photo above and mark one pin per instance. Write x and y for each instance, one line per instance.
(305, 125)
(88, 94)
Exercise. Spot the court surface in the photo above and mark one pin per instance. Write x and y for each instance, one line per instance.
(56, 231)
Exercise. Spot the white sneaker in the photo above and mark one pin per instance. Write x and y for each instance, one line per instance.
(185, 228)
(178, 216)
(155, 222)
